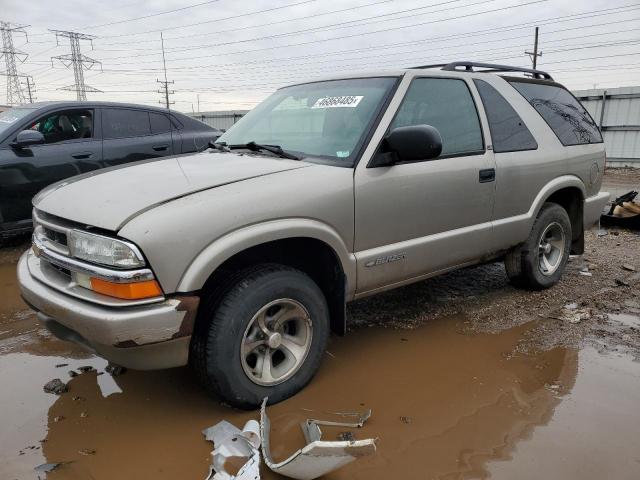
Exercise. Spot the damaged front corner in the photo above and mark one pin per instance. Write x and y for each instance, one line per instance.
(318, 457)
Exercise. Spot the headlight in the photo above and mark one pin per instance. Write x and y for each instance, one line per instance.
(104, 250)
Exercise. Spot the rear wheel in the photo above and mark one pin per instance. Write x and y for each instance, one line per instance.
(541, 260)
(264, 336)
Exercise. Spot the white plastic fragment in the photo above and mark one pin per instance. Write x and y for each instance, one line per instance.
(318, 457)
(229, 442)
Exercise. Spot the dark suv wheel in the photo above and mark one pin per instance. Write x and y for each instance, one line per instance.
(541, 260)
(263, 336)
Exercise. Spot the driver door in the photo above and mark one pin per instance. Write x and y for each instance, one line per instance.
(71, 147)
(413, 219)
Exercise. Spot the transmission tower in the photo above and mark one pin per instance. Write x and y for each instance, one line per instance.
(79, 61)
(15, 95)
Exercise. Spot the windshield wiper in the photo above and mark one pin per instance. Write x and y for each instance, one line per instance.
(256, 147)
(222, 146)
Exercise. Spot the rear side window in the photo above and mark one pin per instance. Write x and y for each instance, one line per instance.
(568, 119)
(447, 105)
(159, 123)
(508, 131)
(121, 123)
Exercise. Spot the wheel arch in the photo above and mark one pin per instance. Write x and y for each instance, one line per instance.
(569, 192)
(308, 245)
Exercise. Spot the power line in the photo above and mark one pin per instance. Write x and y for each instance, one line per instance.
(345, 24)
(77, 60)
(210, 21)
(547, 21)
(387, 46)
(117, 22)
(15, 95)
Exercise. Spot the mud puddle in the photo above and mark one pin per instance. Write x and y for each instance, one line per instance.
(445, 405)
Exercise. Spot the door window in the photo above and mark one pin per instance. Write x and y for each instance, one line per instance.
(508, 131)
(568, 119)
(447, 105)
(122, 123)
(62, 126)
(159, 123)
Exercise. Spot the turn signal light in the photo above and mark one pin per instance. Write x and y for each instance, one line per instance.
(127, 291)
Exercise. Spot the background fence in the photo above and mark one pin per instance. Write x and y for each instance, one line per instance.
(617, 113)
(221, 120)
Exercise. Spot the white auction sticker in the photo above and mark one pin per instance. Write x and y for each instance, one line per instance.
(335, 102)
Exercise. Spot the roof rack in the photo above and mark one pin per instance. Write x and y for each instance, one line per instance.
(488, 67)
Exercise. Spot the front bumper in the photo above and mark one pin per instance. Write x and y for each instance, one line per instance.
(593, 207)
(141, 337)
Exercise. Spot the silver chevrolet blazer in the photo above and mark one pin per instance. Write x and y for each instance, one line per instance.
(239, 261)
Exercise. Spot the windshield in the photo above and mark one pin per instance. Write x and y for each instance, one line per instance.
(8, 118)
(324, 119)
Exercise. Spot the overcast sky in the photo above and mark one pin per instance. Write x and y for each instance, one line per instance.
(232, 53)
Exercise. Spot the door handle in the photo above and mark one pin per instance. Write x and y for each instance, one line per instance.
(487, 175)
(160, 148)
(81, 155)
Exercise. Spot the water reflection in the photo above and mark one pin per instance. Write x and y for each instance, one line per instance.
(465, 398)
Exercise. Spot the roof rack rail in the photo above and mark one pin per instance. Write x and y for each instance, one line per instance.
(488, 67)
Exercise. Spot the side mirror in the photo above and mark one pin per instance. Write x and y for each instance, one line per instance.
(26, 138)
(406, 144)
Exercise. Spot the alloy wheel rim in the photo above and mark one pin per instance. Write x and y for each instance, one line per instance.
(276, 342)
(551, 249)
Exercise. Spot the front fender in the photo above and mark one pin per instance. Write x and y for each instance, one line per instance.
(223, 248)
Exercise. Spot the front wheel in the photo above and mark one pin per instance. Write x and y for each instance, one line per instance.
(541, 260)
(263, 337)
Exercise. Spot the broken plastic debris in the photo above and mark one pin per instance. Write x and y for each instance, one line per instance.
(318, 457)
(232, 443)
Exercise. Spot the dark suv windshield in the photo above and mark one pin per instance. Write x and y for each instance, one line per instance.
(326, 120)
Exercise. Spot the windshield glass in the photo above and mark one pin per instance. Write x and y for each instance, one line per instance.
(8, 118)
(324, 119)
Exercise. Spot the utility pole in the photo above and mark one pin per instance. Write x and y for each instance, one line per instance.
(198, 96)
(164, 89)
(30, 87)
(78, 61)
(534, 55)
(15, 95)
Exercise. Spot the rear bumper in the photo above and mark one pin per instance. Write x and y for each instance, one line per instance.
(140, 337)
(593, 207)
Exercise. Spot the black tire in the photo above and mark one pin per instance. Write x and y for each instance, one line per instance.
(223, 318)
(523, 262)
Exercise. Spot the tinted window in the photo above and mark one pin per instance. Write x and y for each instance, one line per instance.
(508, 131)
(63, 126)
(563, 113)
(120, 122)
(159, 123)
(447, 105)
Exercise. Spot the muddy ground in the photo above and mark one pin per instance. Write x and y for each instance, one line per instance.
(467, 377)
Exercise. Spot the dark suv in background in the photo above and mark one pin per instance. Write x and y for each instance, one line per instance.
(43, 143)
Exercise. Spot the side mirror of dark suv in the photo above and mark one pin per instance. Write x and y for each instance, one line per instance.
(407, 144)
(26, 138)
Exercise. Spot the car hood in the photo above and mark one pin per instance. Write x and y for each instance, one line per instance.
(110, 198)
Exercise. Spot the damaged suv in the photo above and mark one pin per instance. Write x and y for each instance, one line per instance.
(239, 261)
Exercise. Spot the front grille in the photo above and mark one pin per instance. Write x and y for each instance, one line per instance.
(57, 237)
